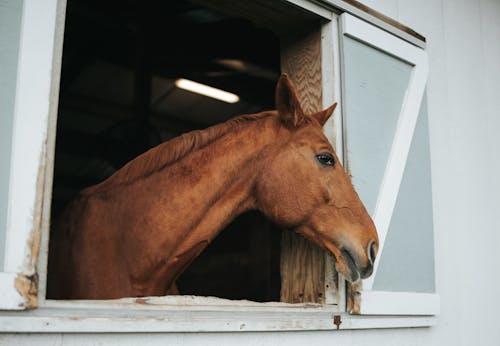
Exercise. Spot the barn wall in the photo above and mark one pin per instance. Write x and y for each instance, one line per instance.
(464, 111)
(464, 108)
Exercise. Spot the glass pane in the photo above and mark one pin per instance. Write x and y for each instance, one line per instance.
(10, 29)
(407, 261)
(375, 87)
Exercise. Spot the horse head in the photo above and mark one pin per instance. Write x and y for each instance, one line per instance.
(304, 187)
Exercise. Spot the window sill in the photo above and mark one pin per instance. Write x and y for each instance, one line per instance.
(92, 318)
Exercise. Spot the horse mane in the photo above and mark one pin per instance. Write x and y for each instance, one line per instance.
(169, 152)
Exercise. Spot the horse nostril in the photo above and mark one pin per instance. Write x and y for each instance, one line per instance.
(371, 251)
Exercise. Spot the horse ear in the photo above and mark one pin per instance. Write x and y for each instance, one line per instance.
(324, 115)
(287, 103)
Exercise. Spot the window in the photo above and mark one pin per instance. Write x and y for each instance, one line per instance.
(26, 185)
(32, 47)
(119, 97)
(387, 150)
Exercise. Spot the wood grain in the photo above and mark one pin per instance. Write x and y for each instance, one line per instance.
(302, 263)
(301, 60)
(302, 270)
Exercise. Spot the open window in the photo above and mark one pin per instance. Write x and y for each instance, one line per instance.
(387, 154)
(115, 71)
(120, 96)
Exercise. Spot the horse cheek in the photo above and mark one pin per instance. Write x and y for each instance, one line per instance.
(277, 200)
(269, 195)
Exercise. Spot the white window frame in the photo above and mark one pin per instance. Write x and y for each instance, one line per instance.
(379, 302)
(18, 278)
(40, 55)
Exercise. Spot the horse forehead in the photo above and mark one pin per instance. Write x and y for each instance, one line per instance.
(312, 136)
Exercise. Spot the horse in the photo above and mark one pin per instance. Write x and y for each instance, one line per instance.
(133, 234)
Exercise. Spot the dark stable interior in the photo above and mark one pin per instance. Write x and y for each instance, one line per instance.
(118, 99)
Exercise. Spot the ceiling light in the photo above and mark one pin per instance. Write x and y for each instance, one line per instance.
(206, 90)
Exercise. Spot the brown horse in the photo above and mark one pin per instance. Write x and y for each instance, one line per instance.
(135, 233)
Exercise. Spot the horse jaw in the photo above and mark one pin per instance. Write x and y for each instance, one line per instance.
(344, 262)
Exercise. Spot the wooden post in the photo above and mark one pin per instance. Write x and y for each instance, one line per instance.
(302, 263)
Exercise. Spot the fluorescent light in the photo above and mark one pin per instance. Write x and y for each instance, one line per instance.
(206, 90)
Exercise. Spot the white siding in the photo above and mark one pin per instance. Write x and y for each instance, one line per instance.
(464, 115)
(381, 337)
(464, 38)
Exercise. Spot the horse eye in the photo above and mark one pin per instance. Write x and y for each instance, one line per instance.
(326, 159)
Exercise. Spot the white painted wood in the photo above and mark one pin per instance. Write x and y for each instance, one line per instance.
(28, 142)
(191, 303)
(119, 321)
(30, 123)
(399, 303)
(350, 9)
(50, 151)
(387, 322)
(393, 175)
(336, 86)
(332, 92)
(326, 9)
(10, 299)
(380, 39)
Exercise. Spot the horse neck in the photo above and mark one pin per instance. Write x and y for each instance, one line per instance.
(212, 186)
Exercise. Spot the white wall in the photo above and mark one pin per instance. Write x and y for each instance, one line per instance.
(464, 109)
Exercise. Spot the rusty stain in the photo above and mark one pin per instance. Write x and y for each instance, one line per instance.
(34, 240)
(26, 283)
(337, 320)
(354, 297)
(141, 300)
(27, 286)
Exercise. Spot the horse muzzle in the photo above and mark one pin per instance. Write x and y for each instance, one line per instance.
(358, 269)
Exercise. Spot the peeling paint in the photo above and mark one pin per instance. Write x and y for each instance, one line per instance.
(27, 286)
(36, 232)
(26, 283)
(141, 300)
(354, 297)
